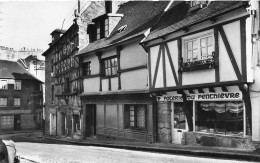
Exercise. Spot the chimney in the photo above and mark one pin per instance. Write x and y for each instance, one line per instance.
(56, 35)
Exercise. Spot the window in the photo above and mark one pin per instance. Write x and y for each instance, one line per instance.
(87, 68)
(3, 84)
(3, 102)
(199, 46)
(52, 94)
(222, 117)
(98, 30)
(17, 85)
(7, 121)
(110, 66)
(17, 102)
(106, 27)
(135, 116)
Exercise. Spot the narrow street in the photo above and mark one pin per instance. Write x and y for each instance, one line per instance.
(34, 150)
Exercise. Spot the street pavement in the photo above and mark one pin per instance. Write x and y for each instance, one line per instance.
(32, 149)
(60, 153)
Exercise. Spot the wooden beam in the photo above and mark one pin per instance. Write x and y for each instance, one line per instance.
(200, 90)
(224, 89)
(243, 48)
(216, 56)
(157, 66)
(211, 89)
(171, 64)
(230, 53)
(191, 91)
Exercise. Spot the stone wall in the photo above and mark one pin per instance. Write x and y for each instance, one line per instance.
(27, 121)
(164, 122)
(193, 138)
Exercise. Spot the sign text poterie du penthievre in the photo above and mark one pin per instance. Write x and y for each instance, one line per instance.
(203, 97)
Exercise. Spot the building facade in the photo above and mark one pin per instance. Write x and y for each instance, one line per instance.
(201, 66)
(21, 98)
(63, 84)
(116, 102)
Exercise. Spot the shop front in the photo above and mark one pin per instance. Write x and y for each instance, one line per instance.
(118, 116)
(208, 119)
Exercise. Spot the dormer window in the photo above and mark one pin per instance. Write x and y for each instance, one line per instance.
(102, 27)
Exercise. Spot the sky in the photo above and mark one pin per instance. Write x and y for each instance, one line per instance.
(29, 23)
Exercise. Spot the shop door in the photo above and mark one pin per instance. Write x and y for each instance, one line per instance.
(62, 123)
(90, 120)
(17, 122)
(179, 123)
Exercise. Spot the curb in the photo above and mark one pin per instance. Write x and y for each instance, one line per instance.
(21, 132)
(203, 153)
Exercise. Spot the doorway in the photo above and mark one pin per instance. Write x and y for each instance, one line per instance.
(179, 122)
(90, 120)
(17, 122)
(63, 119)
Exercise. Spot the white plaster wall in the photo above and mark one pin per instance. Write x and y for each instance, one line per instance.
(249, 51)
(137, 79)
(173, 48)
(232, 31)
(255, 103)
(114, 84)
(94, 63)
(159, 78)
(132, 55)
(198, 77)
(109, 53)
(91, 84)
(104, 84)
(226, 70)
(153, 55)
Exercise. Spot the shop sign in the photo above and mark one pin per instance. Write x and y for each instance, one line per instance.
(204, 97)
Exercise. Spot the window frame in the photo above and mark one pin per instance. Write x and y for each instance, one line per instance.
(197, 37)
(195, 114)
(87, 68)
(17, 100)
(127, 115)
(15, 85)
(6, 101)
(2, 87)
(111, 66)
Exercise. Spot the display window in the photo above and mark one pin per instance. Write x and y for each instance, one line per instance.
(220, 117)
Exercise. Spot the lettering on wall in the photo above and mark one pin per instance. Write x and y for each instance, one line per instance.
(204, 97)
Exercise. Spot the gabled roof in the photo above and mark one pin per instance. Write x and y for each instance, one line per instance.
(13, 70)
(138, 16)
(179, 17)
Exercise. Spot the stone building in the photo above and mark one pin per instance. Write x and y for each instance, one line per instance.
(21, 98)
(62, 75)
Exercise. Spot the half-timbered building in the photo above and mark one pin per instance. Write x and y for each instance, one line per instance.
(201, 67)
(116, 101)
(62, 75)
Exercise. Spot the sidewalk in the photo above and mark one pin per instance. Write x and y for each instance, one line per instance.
(203, 151)
(7, 132)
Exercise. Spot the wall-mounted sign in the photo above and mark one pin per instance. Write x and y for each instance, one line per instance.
(204, 97)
